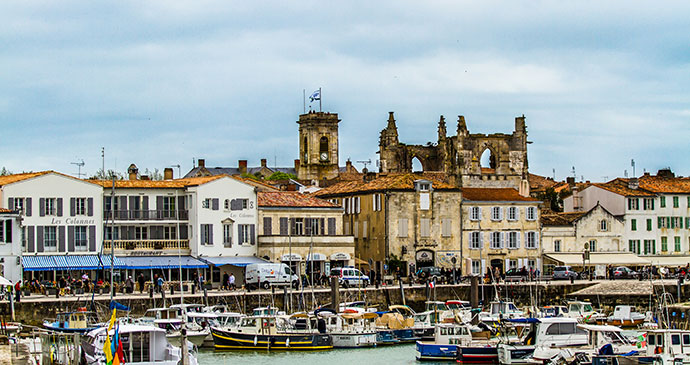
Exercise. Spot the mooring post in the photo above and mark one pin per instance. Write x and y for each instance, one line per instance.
(402, 292)
(335, 293)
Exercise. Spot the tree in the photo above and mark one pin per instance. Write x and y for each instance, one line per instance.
(555, 200)
(5, 172)
(100, 175)
(250, 176)
(279, 175)
(153, 175)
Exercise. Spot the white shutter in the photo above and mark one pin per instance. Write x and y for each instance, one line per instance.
(517, 213)
(483, 271)
(519, 264)
(373, 202)
(536, 240)
(356, 230)
(539, 264)
(479, 216)
(481, 240)
(502, 244)
(507, 266)
(500, 213)
(517, 238)
(491, 240)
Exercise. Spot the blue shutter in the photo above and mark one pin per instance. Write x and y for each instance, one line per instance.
(61, 239)
(27, 206)
(59, 207)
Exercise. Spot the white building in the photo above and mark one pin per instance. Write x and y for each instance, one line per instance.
(61, 226)
(597, 229)
(10, 245)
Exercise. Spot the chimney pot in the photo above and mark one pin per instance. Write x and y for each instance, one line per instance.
(633, 183)
(133, 171)
(263, 162)
(168, 173)
(243, 166)
(202, 162)
(297, 164)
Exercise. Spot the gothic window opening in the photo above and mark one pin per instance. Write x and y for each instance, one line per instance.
(417, 165)
(323, 148)
(488, 159)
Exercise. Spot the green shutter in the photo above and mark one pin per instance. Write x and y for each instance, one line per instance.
(653, 247)
(631, 248)
(659, 221)
(664, 244)
(687, 222)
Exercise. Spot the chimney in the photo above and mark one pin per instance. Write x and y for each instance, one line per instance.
(296, 166)
(133, 171)
(666, 173)
(145, 177)
(576, 198)
(348, 165)
(633, 183)
(243, 166)
(263, 162)
(202, 162)
(570, 180)
(168, 173)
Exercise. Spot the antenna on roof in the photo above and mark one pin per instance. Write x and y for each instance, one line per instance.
(574, 174)
(554, 174)
(625, 173)
(605, 177)
(80, 163)
(365, 163)
(632, 163)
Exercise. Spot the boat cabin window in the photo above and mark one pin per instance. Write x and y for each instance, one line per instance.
(587, 308)
(248, 322)
(511, 307)
(686, 339)
(563, 329)
(612, 337)
(651, 339)
(675, 339)
(574, 307)
(135, 345)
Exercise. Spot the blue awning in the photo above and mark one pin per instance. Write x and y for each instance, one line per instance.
(240, 261)
(68, 262)
(161, 262)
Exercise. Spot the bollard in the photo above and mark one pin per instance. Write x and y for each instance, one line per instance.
(151, 292)
(172, 290)
(572, 280)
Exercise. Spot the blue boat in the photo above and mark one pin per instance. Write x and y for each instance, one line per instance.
(80, 321)
(386, 337)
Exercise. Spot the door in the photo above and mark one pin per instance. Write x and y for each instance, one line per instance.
(497, 263)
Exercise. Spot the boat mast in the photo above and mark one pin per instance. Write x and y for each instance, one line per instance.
(179, 244)
(112, 237)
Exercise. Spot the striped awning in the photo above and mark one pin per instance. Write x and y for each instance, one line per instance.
(162, 262)
(68, 262)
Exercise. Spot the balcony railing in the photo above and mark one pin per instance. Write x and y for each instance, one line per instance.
(147, 244)
(147, 215)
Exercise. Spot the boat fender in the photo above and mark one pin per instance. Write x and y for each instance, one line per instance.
(256, 340)
(287, 342)
(659, 350)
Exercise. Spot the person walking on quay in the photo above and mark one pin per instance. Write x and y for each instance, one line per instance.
(129, 285)
(141, 281)
(160, 284)
(226, 282)
(231, 282)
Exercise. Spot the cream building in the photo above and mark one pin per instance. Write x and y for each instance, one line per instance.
(596, 229)
(500, 229)
(303, 231)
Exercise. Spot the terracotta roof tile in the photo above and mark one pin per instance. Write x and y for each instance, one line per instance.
(620, 187)
(157, 184)
(494, 194)
(540, 183)
(659, 184)
(9, 179)
(560, 219)
(292, 199)
(391, 181)
(5, 210)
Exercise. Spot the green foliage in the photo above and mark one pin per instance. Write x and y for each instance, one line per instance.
(279, 175)
(553, 199)
(5, 172)
(250, 176)
(394, 263)
(107, 175)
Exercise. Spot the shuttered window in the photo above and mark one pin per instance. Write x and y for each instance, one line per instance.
(425, 228)
(446, 227)
(402, 227)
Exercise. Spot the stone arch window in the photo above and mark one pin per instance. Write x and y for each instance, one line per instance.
(306, 149)
(323, 144)
(416, 164)
(488, 159)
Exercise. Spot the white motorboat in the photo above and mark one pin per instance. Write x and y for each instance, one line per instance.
(664, 347)
(142, 345)
(624, 315)
(598, 337)
(348, 330)
(549, 332)
(499, 311)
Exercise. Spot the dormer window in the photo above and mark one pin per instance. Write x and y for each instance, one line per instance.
(423, 186)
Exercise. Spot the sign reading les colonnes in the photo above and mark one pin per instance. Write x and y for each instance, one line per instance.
(73, 221)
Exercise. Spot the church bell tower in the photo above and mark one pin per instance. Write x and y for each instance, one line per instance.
(318, 146)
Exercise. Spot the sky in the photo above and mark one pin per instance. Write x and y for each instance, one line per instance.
(162, 83)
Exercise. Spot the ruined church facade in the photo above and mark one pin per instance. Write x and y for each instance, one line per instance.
(459, 156)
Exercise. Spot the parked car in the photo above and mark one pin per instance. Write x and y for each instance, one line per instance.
(623, 272)
(349, 276)
(429, 272)
(564, 273)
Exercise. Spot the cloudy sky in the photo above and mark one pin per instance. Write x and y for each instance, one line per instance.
(160, 83)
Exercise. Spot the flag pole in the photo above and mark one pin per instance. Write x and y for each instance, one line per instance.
(304, 100)
(320, 98)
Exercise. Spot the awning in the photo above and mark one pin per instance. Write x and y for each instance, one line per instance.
(162, 262)
(340, 256)
(680, 260)
(68, 262)
(240, 261)
(597, 258)
(295, 257)
(316, 257)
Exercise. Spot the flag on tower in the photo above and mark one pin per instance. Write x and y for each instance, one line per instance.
(316, 95)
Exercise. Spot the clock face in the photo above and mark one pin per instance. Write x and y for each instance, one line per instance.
(324, 156)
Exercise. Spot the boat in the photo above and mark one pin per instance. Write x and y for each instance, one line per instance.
(261, 332)
(348, 330)
(625, 316)
(425, 322)
(499, 311)
(549, 332)
(400, 320)
(447, 337)
(601, 338)
(664, 347)
(81, 321)
(142, 345)
(553, 311)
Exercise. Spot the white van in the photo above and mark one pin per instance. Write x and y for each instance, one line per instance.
(269, 274)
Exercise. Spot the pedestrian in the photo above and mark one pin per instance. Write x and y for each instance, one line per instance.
(231, 282)
(141, 281)
(160, 284)
(129, 285)
(226, 282)
(17, 290)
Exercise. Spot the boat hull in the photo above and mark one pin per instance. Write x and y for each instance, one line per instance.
(230, 340)
(477, 355)
(426, 351)
(353, 340)
(55, 327)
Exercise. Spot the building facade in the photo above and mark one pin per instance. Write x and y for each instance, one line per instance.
(303, 231)
(10, 245)
(500, 230)
(596, 230)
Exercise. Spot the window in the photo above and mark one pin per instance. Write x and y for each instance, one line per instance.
(662, 201)
(2, 231)
(50, 237)
(633, 224)
(513, 240)
(664, 243)
(244, 233)
(495, 213)
(169, 203)
(424, 187)
(496, 240)
(531, 213)
(206, 234)
(512, 264)
(675, 339)
(19, 204)
(206, 203)
(245, 203)
(676, 222)
(377, 202)
(425, 229)
(675, 202)
(111, 207)
(80, 206)
(170, 233)
(475, 240)
(23, 231)
(649, 224)
(531, 240)
(49, 207)
(676, 243)
(648, 204)
(603, 225)
(141, 233)
(312, 226)
(297, 228)
(649, 247)
(634, 246)
(512, 213)
(634, 204)
(80, 240)
(476, 267)
(227, 235)
(592, 245)
(109, 233)
(532, 263)
(475, 214)
(557, 245)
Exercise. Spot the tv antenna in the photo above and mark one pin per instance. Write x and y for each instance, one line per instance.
(632, 163)
(79, 164)
(365, 162)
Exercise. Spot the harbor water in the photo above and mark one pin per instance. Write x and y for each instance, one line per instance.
(400, 354)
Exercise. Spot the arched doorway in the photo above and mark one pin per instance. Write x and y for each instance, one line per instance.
(424, 258)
